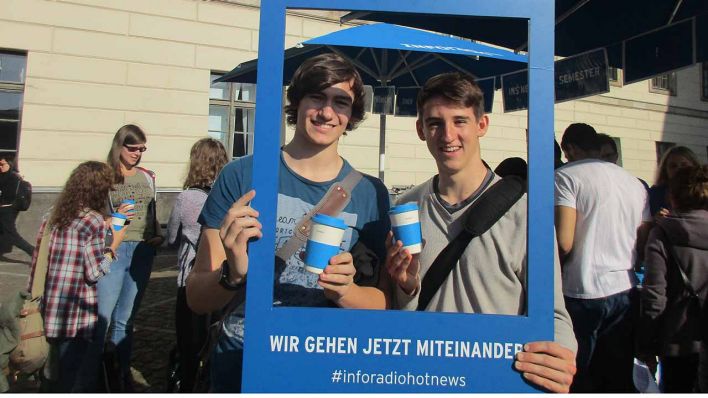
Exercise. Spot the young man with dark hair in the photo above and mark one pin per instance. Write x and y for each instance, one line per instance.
(490, 277)
(608, 148)
(601, 211)
(325, 99)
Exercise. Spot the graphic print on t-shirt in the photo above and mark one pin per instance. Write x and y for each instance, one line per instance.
(138, 188)
(294, 286)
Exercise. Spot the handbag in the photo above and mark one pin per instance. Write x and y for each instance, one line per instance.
(478, 218)
(31, 352)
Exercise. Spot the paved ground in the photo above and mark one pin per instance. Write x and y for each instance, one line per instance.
(154, 325)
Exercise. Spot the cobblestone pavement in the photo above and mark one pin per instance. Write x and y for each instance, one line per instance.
(154, 324)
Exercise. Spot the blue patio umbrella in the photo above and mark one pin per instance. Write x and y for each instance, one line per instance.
(392, 55)
(581, 25)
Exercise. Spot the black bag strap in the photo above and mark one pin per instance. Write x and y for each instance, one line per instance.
(672, 250)
(478, 218)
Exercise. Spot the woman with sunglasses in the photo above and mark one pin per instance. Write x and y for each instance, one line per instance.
(120, 292)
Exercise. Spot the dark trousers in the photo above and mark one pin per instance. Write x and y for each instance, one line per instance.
(8, 231)
(191, 336)
(678, 374)
(605, 333)
(71, 370)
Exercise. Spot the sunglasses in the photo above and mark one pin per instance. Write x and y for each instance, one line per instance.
(135, 148)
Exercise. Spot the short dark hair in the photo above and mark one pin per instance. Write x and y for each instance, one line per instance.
(689, 188)
(318, 73)
(604, 139)
(455, 87)
(581, 135)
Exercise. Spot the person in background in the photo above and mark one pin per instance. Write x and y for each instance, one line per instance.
(206, 159)
(609, 153)
(9, 180)
(608, 148)
(673, 159)
(120, 292)
(601, 216)
(670, 324)
(513, 166)
(80, 254)
(557, 161)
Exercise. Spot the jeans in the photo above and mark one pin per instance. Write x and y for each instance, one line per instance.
(604, 330)
(71, 369)
(119, 295)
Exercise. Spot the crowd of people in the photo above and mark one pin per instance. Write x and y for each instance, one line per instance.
(608, 225)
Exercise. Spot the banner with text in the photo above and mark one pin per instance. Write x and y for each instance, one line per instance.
(576, 77)
(581, 75)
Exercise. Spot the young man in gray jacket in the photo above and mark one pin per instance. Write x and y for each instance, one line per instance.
(491, 274)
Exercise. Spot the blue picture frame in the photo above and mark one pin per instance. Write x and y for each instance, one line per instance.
(270, 370)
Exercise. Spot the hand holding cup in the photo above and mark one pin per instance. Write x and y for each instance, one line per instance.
(324, 241)
(127, 207)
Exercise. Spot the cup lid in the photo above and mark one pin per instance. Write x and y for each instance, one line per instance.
(119, 215)
(403, 208)
(329, 221)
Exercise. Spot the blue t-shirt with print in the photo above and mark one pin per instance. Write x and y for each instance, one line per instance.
(366, 216)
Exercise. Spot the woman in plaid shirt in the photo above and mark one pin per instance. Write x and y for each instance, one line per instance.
(79, 254)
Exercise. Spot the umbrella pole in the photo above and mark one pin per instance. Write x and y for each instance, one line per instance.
(382, 144)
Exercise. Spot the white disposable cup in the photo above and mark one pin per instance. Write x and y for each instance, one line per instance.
(406, 227)
(118, 221)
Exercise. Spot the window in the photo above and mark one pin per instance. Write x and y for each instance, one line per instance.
(232, 113)
(618, 143)
(613, 75)
(661, 148)
(663, 84)
(12, 84)
(704, 81)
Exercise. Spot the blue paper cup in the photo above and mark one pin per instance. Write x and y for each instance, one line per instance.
(118, 220)
(130, 210)
(324, 241)
(406, 226)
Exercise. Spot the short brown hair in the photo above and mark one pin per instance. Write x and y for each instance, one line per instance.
(689, 188)
(87, 188)
(318, 73)
(206, 159)
(455, 87)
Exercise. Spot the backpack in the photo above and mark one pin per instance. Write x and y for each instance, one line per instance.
(32, 349)
(23, 195)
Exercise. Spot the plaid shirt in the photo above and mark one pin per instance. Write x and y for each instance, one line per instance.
(76, 262)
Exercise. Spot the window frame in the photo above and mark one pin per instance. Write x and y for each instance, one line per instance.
(614, 82)
(15, 87)
(671, 82)
(232, 104)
